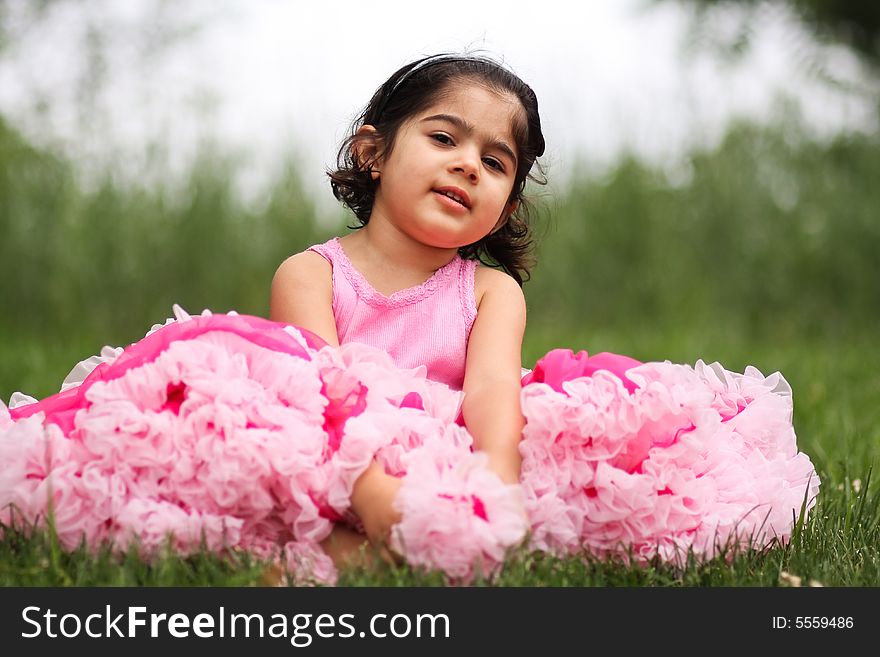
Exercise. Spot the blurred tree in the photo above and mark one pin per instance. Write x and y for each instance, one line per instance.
(854, 23)
(92, 44)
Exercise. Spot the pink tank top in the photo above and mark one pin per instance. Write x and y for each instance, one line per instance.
(428, 324)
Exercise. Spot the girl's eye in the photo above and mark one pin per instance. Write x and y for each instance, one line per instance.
(495, 164)
(443, 139)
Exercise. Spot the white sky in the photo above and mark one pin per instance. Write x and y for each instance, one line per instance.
(270, 77)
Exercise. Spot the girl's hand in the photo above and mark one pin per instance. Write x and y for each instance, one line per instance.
(372, 501)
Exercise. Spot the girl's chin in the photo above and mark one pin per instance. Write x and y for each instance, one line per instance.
(446, 239)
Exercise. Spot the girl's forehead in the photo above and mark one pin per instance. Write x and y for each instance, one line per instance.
(485, 109)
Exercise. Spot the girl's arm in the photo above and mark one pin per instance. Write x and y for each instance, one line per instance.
(491, 407)
(302, 294)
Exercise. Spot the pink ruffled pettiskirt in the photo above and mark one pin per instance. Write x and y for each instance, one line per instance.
(234, 432)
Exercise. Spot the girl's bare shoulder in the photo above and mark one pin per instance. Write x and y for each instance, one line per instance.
(302, 294)
(306, 268)
(495, 282)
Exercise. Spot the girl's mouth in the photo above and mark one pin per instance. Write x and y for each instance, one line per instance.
(446, 198)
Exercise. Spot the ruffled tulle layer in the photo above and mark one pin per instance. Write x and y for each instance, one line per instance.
(233, 432)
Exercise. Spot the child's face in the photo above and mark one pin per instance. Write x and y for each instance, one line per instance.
(461, 145)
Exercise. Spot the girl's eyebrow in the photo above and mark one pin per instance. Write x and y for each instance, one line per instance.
(468, 129)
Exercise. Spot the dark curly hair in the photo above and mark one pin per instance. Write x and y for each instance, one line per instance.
(409, 91)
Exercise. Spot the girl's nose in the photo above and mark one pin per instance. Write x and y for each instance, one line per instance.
(468, 163)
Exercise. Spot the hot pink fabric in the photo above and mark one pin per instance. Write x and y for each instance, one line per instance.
(60, 408)
(560, 365)
(424, 325)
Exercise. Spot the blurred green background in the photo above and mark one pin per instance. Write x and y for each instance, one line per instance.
(762, 250)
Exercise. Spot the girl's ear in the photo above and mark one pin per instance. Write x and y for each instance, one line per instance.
(509, 209)
(366, 149)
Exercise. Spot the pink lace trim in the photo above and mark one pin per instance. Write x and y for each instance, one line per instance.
(405, 297)
(466, 293)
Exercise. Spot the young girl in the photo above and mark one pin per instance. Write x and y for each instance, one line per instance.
(383, 400)
(434, 172)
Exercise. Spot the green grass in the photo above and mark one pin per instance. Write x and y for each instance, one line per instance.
(35, 559)
(837, 547)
